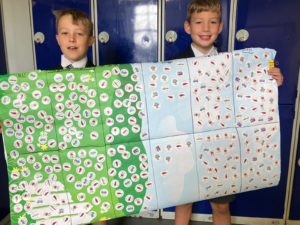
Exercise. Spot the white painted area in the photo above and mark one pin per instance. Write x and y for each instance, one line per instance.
(234, 219)
(17, 31)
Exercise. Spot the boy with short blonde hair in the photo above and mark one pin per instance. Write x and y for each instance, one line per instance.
(204, 24)
(74, 35)
(205, 5)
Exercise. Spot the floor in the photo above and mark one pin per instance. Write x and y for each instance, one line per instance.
(146, 221)
(136, 221)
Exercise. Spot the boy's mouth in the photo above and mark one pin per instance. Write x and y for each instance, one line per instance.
(205, 37)
(72, 47)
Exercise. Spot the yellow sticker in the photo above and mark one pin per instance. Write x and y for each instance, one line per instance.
(271, 64)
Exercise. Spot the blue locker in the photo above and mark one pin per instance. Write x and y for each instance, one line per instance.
(132, 30)
(175, 14)
(48, 53)
(295, 209)
(273, 24)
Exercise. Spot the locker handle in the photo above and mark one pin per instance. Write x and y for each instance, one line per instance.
(171, 36)
(103, 37)
(242, 35)
(39, 37)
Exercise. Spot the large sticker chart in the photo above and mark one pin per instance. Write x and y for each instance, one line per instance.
(93, 144)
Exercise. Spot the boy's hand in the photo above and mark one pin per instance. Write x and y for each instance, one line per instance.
(276, 74)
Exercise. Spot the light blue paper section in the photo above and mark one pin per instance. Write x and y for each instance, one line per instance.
(175, 171)
(167, 87)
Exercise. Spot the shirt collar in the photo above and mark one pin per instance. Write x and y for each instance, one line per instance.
(78, 64)
(212, 51)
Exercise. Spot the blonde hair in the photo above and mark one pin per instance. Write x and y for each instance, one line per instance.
(202, 6)
(77, 16)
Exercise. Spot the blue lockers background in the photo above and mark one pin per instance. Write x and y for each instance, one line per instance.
(133, 33)
(132, 28)
(274, 24)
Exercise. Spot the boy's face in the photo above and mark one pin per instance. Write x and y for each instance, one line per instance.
(73, 39)
(204, 28)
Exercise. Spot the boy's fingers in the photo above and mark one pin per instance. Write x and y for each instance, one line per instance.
(273, 70)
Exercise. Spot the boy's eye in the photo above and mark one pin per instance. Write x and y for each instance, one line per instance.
(63, 33)
(198, 22)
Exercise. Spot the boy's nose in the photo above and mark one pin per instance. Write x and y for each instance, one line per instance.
(72, 37)
(206, 26)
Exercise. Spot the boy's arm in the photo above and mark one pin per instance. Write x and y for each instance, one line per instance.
(0, 127)
(276, 74)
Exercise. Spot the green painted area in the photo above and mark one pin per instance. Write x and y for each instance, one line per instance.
(73, 144)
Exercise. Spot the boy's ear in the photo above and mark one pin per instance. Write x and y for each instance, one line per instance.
(187, 27)
(221, 27)
(91, 40)
(57, 39)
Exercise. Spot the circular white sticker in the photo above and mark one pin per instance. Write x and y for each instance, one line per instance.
(12, 79)
(32, 76)
(40, 84)
(58, 78)
(120, 118)
(70, 77)
(5, 100)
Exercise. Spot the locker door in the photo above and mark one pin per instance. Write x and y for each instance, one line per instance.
(175, 14)
(272, 24)
(127, 31)
(47, 51)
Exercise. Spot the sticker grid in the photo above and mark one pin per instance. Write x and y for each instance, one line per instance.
(29, 124)
(112, 137)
